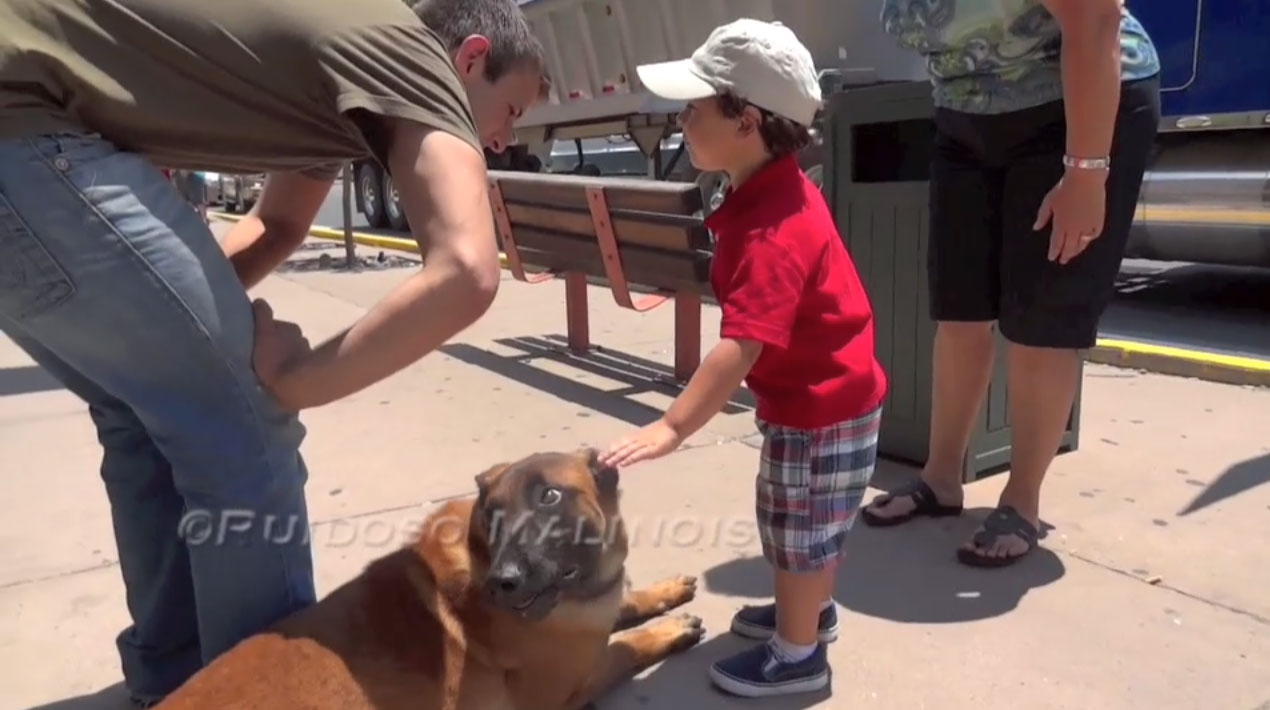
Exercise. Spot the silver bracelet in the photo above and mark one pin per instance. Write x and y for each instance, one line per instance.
(1087, 163)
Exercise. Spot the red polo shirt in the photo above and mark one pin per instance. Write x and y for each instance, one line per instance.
(783, 277)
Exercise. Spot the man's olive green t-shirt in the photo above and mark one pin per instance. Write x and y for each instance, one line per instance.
(227, 85)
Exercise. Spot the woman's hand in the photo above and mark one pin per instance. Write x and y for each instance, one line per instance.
(1077, 207)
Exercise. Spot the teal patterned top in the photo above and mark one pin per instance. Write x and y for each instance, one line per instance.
(994, 56)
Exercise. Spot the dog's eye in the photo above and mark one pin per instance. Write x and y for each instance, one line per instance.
(551, 496)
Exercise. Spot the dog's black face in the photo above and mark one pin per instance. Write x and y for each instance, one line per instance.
(548, 522)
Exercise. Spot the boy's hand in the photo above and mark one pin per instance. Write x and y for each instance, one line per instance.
(653, 441)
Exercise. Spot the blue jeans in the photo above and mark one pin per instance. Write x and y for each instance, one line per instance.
(117, 288)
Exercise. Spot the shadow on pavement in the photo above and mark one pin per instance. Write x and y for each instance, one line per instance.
(634, 370)
(114, 697)
(26, 380)
(909, 574)
(1237, 479)
(327, 261)
(520, 370)
(639, 376)
(683, 681)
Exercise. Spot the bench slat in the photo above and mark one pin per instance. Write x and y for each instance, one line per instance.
(541, 249)
(569, 191)
(649, 231)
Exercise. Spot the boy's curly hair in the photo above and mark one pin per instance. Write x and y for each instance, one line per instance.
(781, 136)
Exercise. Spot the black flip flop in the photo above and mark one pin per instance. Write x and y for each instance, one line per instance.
(1005, 520)
(923, 498)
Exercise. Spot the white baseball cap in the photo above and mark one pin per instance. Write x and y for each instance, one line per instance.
(762, 62)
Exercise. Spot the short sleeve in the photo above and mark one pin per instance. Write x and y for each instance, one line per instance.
(326, 171)
(760, 296)
(398, 70)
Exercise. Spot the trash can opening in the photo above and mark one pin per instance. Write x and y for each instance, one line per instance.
(893, 151)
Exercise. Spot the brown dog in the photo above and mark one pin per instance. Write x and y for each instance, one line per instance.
(512, 600)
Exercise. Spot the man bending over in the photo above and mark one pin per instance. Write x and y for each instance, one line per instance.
(110, 282)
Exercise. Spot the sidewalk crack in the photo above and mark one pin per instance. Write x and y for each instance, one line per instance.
(1175, 590)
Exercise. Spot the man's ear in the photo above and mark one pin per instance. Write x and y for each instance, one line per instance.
(469, 58)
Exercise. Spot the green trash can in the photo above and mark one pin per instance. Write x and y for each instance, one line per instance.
(878, 141)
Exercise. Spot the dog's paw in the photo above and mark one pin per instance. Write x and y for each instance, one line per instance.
(691, 631)
(674, 592)
(677, 633)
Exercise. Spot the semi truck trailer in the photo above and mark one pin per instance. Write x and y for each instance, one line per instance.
(1205, 197)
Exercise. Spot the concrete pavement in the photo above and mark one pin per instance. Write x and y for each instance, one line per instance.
(1149, 589)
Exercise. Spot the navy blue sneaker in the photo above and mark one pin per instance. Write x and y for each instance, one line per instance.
(759, 622)
(759, 672)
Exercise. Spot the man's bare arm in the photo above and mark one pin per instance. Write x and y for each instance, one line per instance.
(276, 226)
(442, 185)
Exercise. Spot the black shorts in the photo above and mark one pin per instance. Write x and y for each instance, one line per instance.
(989, 176)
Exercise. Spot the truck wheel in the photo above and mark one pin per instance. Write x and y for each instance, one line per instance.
(370, 188)
(392, 206)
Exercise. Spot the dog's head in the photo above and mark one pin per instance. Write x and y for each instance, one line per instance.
(552, 531)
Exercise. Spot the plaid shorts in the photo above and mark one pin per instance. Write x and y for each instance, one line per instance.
(810, 486)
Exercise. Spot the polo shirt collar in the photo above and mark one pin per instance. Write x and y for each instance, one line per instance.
(740, 201)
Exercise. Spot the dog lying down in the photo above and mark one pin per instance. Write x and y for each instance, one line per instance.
(513, 600)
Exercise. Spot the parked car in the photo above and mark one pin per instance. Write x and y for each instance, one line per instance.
(211, 188)
(238, 193)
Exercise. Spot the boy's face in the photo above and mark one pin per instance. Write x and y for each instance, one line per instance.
(714, 140)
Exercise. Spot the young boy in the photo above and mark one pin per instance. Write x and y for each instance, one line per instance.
(796, 327)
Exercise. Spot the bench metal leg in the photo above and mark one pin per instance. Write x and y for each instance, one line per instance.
(687, 335)
(575, 287)
(504, 224)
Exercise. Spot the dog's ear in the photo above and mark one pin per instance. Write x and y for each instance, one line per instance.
(606, 477)
(486, 478)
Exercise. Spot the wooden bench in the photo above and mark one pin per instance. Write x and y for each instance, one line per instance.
(644, 238)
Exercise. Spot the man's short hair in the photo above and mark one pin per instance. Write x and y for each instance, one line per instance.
(513, 45)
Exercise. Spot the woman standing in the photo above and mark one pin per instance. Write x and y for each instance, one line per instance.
(1046, 112)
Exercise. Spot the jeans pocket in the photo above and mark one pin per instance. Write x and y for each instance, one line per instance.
(31, 279)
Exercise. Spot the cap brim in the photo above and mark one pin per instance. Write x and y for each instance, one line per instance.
(675, 81)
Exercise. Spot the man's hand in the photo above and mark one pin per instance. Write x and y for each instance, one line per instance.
(276, 226)
(442, 185)
(279, 345)
(653, 441)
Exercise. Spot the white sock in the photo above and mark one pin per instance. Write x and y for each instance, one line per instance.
(826, 604)
(791, 652)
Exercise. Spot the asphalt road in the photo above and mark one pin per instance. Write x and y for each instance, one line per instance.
(1193, 306)
(332, 212)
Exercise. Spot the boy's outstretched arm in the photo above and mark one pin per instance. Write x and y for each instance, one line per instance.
(720, 374)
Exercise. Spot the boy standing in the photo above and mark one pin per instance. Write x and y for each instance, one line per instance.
(797, 327)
